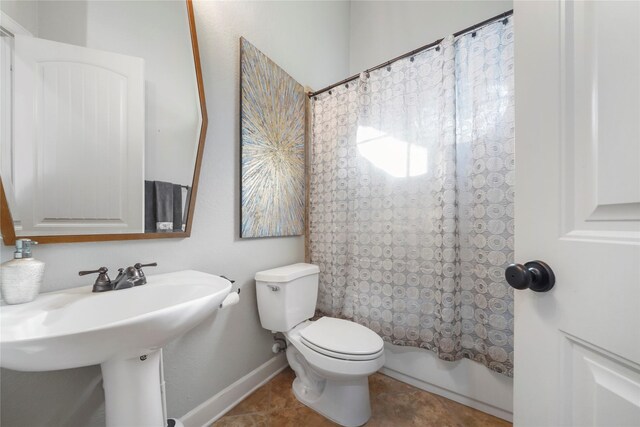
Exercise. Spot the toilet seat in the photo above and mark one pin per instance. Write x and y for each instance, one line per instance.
(342, 339)
(338, 368)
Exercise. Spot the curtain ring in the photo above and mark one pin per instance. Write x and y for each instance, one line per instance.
(437, 48)
(329, 92)
(473, 34)
(388, 67)
(412, 59)
(346, 85)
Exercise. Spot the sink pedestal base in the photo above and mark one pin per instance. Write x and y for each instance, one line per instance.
(132, 391)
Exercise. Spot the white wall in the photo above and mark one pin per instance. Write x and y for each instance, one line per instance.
(380, 31)
(232, 343)
(24, 12)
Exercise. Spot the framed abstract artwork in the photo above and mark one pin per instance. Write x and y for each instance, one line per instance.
(272, 123)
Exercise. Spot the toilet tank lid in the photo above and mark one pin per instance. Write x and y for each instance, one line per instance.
(287, 273)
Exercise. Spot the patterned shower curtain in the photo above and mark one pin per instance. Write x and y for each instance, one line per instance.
(411, 199)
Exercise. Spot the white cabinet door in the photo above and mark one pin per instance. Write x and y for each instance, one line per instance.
(79, 139)
(577, 347)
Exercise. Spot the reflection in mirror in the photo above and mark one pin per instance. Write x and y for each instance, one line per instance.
(101, 116)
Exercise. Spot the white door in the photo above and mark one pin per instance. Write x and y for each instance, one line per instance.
(577, 347)
(78, 139)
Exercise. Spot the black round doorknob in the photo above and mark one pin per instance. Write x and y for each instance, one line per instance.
(534, 275)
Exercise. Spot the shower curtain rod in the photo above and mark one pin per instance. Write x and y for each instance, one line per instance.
(413, 52)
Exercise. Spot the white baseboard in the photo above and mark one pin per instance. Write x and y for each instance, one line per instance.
(465, 400)
(214, 408)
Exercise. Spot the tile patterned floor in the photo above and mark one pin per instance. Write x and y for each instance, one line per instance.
(394, 404)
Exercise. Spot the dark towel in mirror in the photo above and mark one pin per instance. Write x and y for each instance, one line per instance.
(163, 207)
(186, 199)
(149, 207)
(177, 207)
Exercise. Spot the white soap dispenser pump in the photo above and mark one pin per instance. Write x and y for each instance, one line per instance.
(21, 277)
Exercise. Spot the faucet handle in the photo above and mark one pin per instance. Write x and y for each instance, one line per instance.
(101, 270)
(138, 266)
(102, 283)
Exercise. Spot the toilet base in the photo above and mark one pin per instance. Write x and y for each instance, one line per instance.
(338, 389)
(343, 402)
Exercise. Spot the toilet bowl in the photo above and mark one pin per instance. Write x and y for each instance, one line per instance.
(332, 358)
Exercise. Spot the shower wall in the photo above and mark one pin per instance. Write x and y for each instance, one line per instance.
(383, 30)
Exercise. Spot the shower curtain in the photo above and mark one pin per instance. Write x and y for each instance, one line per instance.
(411, 199)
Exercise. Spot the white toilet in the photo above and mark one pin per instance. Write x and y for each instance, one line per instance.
(332, 358)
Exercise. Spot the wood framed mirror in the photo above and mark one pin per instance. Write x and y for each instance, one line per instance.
(104, 121)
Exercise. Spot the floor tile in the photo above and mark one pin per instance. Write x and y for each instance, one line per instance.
(394, 404)
(298, 417)
(469, 417)
(415, 408)
(258, 401)
(381, 384)
(246, 420)
(281, 392)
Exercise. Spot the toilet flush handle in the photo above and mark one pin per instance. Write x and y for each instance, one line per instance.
(274, 288)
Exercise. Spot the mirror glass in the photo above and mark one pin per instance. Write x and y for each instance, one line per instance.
(101, 116)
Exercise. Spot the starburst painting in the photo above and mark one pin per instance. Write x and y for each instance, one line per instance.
(273, 133)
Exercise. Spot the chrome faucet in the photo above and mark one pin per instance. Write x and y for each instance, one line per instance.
(127, 277)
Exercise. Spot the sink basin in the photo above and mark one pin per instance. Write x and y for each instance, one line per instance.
(122, 331)
(76, 327)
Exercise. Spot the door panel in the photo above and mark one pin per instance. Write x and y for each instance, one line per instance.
(608, 388)
(602, 90)
(81, 117)
(577, 347)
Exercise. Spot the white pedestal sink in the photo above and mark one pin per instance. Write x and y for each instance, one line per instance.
(122, 331)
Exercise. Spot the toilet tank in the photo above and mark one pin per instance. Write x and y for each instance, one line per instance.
(287, 295)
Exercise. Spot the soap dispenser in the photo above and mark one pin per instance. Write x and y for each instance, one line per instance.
(21, 277)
